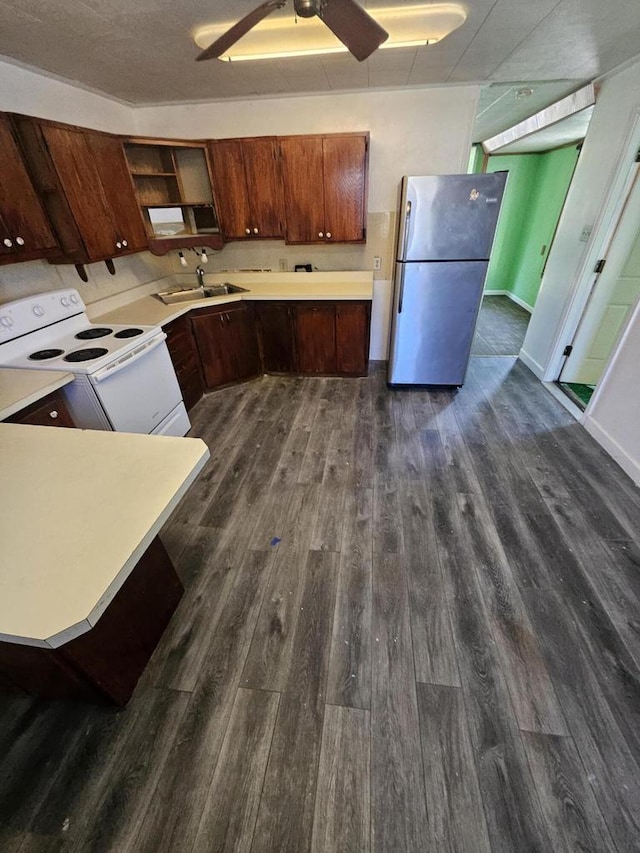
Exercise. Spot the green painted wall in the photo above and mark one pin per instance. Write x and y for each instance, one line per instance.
(536, 190)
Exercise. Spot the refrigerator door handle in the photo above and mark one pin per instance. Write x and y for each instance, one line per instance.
(407, 219)
(401, 289)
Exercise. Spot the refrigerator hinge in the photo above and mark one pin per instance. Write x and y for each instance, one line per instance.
(600, 265)
(567, 350)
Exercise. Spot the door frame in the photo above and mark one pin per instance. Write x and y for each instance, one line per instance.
(603, 233)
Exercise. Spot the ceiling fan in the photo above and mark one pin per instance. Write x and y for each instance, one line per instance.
(346, 19)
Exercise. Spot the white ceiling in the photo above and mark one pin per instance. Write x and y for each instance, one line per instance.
(141, 51)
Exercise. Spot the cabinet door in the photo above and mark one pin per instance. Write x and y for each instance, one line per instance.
(316, 338)
(345, 180)
(78, 173)
(243, 342)
(22, 213)
(302, 174)
(216, 356)
(264, 185)
(231, 188)
(277, 334)
(49, 411)
(186, 360)
(352, 338)
(116, 181)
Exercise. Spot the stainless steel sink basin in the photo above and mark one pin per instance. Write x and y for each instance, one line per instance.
(205, 292)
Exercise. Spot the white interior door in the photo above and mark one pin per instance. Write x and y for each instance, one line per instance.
(615, 293)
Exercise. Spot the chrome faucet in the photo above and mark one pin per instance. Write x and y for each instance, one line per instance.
(200, 275)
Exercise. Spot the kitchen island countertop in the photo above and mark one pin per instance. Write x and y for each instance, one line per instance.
(79, 509)
(21, 388)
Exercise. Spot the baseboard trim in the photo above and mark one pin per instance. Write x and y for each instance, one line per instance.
(528, 308)
(629, 465)
(532, 364)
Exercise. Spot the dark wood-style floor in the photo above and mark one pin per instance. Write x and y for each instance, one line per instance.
(502, 325)
(411, 624)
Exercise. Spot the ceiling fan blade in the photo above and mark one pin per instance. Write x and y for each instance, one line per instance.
(355, 28)
(235, 33)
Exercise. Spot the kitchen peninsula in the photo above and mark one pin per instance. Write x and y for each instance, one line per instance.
(86, 587)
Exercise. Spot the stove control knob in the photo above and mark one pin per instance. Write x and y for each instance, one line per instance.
(74, 299)
(65, 301)
(38, 310)
(7, 322)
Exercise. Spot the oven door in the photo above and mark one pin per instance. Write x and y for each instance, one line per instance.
(140, 389)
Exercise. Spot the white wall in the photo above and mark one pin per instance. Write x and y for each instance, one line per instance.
(614, 415)
(617, 104)
(34, 94)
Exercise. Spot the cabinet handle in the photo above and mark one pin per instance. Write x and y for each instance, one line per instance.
(124, 244)
(222, 319)
(328, 235)
(247, 230)
(53, 414)
(118, 245)
(255, 230)
(320, 233)
(19, 241)
(8, 243)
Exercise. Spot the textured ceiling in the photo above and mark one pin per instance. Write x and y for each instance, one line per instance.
(142, 51)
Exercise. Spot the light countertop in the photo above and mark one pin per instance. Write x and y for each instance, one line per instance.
(78, 510)
(21, 388)
(261, 286)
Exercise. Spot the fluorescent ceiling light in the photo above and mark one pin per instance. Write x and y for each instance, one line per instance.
(277, 38)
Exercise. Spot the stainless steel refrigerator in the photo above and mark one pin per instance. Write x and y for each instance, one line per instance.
(445, 234)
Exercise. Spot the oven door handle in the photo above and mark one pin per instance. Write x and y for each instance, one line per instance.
(128, 360)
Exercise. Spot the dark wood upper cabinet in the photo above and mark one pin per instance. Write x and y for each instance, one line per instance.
(84, 184)
(325, 187)
(248, 187)
(25, 232)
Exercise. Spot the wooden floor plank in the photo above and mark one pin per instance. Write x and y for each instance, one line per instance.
(343, 800)
(398, 812)
(285, 816)
(349, 680)
(433, 647)
(565, 795)
(172, 819)
(230, 811)
(454, 804)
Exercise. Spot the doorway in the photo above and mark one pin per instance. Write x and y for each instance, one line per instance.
(614, 293)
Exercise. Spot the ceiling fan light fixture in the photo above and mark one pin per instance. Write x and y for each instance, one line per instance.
(285, 37)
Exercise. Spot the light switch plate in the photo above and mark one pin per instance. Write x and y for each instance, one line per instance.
(586, 233)
(377, 262)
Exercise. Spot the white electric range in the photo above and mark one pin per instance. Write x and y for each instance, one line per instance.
(123, 375)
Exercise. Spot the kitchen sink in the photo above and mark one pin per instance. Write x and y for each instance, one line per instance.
(205, 292)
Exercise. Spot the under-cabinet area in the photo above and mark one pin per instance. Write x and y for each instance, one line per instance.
(74, 195)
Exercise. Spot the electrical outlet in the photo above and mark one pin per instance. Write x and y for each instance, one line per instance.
(283, 264)
(377, 262)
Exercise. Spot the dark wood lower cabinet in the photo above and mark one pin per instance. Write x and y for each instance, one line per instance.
(106, 662)
(49, 411)
(353, 320)
(276, 324)
(227, 343)
(316, 338)
(186, 361)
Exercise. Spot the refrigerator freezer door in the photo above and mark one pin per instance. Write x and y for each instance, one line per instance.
(449, 217)
(434, 317)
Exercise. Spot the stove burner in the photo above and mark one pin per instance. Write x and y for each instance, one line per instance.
(86, 354)
(128, 333)
(43, 354)
(90, 334)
